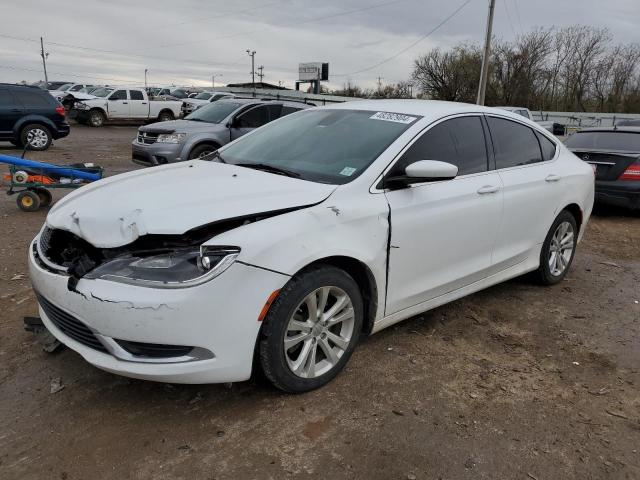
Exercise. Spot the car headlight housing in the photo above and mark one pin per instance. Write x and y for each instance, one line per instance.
(81, 106)
(171, 137)
(178, 268)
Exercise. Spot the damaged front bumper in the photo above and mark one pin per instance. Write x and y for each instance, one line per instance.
(201, 334)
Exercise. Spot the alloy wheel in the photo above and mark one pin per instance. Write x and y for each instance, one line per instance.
(561, 249)
(319, 332)
(37, 138)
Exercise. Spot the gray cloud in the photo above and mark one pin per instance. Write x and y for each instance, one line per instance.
(185, 42)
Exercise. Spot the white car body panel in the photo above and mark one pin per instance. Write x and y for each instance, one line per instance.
(435, 242)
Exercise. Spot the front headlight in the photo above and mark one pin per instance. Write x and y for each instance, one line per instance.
(171, 137)
(80, 106)
(175, 269)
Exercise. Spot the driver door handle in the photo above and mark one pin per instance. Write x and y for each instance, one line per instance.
(488, 189)
(552, 178)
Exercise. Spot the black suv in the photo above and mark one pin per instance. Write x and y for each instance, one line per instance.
(30, 116)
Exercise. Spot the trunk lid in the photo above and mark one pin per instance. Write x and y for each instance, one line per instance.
(609, 165)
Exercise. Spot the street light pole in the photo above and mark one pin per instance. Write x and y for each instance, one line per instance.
(213, 79)
(484, 71)
(252, 54)
(44, 62)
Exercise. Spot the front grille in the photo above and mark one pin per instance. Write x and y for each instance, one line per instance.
(147, 138)
(70, 326)
(154, 350)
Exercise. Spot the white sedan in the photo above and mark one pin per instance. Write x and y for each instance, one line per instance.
(289, 244)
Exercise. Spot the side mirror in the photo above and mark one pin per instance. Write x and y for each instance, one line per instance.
(423, 171)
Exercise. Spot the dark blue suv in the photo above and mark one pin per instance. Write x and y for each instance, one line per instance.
(30, 116)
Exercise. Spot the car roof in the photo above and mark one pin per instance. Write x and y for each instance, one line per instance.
(621, 129)
(429, 109)
(260, 101)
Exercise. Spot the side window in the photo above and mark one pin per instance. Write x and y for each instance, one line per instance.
(6, 99)
(286, 110)
(136, 95)
(32, 99)
(118, 95)
(548, 147)
(459, 141)
(253, 118)
(513, 144)
(274, 111)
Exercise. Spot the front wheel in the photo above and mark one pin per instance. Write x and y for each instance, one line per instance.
(311, 329)
(201, 151)
(558, 249)
(96, 118)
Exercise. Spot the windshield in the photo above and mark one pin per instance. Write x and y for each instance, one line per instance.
(179, 93)
(326, 146)
(213, 112)
(612, 140)
(102, 92)
(65, 87)
(203, 96)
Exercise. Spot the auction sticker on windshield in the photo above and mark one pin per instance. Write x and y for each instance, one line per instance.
(392, 117)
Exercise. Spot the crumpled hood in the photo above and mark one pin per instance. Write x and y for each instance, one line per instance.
(181, 126)
(175, 198)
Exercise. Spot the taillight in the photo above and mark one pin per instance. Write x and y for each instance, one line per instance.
(631, 173)
(60, 110)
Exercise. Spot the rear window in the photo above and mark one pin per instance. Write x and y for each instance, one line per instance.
(34, 98)
(624, 141)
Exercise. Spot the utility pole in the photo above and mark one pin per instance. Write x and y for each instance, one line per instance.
(261, 74)
(379, 85)
(484, 71)
(145, 79)
(252, 54)
(44, 61)
(213, 79)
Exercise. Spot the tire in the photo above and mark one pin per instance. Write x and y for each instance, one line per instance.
(45, 196)
(202, 150)
(28, 201)
(290, 369)
(165, 116)
(96, 118)
(564, 234)
(36, 136)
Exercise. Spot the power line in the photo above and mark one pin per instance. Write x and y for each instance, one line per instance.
(515, 2)
(128, 82)
(223, 14)
(506, 9)
(424, 37)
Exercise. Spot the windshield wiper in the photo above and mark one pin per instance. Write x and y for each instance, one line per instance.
(270, 169)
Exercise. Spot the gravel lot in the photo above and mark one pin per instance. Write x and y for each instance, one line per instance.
(516, 382)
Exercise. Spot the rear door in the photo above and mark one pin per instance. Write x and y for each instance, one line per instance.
(532, 189)
(10, 112)
(119, 105)
(443, 232)
(139, 106)
(248, 120)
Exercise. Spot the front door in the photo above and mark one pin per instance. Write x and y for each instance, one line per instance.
(119, 105)
(249, 120)
(442, 233)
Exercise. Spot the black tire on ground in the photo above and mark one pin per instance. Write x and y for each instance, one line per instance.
(290, 301)
(549, 272)
(36, 136)
(28, 201)
(96, 118)
(165, 116)
(45, 196)
(202, 150)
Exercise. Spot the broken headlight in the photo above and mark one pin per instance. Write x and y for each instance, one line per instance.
(175, 269)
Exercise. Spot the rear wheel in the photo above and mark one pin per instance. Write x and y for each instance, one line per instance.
(202, 151)
(96, 118)
(165, 116)
(28, 201)
(36, 136)
(311, 329)
(558, 249)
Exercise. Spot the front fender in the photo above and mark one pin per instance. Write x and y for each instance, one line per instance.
(200, 138)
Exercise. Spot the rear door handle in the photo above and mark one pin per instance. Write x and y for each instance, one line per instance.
(144, 103)
(488, 189)
(125, 103)
(552, 178)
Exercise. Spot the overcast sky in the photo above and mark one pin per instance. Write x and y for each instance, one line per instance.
(186, 41)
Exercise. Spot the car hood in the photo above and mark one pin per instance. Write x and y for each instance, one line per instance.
(173, 199)
(181, 126)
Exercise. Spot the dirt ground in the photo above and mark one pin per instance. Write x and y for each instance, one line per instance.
(516, 382)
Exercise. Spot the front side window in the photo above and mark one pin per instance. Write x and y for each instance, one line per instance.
(254, 118)
(459, 141)
(326, 146)
(119, 95)
(136, 95)
(514, 144)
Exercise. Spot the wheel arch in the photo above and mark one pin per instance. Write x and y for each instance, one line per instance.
(32, 119)
(575, 210)
(166, 110)
(365, 279)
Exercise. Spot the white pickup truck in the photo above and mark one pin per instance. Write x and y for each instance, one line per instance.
(123, 103)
